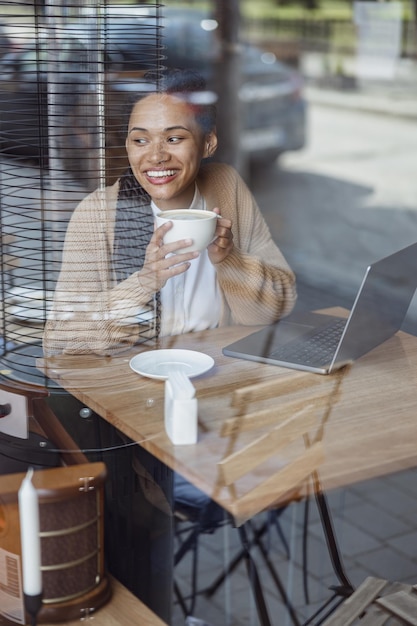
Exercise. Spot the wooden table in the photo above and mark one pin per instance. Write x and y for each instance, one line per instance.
(371, 432)
(122, 609)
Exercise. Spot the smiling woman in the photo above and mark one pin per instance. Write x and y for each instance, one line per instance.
(165, 156)
(121, 283)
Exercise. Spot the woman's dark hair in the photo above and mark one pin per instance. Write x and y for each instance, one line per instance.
(191, 87)
(187, 85)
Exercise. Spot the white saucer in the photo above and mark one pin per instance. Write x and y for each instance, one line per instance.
(158, 363)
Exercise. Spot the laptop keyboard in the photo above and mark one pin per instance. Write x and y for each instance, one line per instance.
(317, 349)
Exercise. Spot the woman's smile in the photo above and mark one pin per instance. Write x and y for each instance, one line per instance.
(160, 177)
(160, 173)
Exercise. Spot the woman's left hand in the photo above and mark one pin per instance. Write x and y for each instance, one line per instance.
(222, 245)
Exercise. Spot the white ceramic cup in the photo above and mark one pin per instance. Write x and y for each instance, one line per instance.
(192, 224)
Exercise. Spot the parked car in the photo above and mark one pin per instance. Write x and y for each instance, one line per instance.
(5, 41)
(44, 93)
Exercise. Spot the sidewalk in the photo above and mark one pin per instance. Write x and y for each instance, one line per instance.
(396, 97)
(341, 209)
(374, 99)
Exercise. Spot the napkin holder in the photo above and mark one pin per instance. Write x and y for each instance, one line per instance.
(181, 410)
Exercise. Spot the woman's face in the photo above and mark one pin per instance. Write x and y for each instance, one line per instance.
(165, 146)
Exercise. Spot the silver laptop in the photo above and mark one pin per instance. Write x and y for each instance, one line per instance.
(321, 343)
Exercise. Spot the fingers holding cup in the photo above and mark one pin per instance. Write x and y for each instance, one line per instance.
(222, 244)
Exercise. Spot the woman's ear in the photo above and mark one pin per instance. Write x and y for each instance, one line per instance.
(210, 145)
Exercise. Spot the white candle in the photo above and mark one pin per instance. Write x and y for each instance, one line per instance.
(29, 535)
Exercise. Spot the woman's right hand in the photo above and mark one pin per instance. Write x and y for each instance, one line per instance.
(160, 263)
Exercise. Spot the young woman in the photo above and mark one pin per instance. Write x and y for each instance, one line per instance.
(120, 284)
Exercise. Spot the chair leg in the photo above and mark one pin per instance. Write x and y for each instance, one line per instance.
(254, 579)
(305, 551)
(191, 543)
(247, 544)
(273, 518)
(229, 569)
(330, 536)
(257, 534)
(345, 589)
(277, 581)
(180, 599)
(312, 619)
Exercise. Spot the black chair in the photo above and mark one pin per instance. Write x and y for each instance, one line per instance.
(282, 424)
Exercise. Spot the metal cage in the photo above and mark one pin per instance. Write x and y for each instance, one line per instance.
(65, 83)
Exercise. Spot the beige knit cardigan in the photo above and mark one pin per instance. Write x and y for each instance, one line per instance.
(91, 313)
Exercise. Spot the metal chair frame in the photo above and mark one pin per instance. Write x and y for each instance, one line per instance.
(252, 536)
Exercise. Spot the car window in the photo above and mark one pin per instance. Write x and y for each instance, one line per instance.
(74, 53)
(32, 61)
(189, 41)
(5, 42)
(8, 65)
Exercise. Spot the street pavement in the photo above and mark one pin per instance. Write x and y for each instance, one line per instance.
(319, 219)
(376, 100)
(395, 97)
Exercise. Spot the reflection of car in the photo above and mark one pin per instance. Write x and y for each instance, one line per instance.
(5, 41)
(274, 111)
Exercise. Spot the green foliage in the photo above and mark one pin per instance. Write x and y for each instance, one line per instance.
(297, 9)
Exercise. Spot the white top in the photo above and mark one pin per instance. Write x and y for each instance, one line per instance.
(191, 301)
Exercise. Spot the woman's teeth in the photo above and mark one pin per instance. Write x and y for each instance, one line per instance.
(160, 174)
